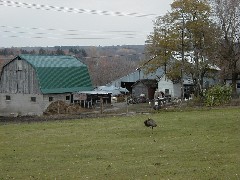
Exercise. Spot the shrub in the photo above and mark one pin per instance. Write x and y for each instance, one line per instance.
(196, 101)
(218, 95)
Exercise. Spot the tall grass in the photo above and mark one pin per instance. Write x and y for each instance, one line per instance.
(185, 145)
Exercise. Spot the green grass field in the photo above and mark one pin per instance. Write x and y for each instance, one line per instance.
(185, 145)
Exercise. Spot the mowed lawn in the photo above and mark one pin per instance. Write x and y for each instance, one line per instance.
(185, 145)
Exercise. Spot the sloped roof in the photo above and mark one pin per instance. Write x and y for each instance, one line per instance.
(59, 74)
(136, 75)
(112, 89)
(146, 82)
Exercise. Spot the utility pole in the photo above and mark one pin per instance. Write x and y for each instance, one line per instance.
(182, 54)
(101, 104)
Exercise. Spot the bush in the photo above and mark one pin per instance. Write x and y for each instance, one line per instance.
(218, 95)
(196, 101)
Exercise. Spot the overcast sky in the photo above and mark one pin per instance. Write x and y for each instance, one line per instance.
(78, 22)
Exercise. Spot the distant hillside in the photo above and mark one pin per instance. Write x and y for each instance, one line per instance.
(134, 52)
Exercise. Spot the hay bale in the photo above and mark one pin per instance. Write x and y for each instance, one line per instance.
(57, 107)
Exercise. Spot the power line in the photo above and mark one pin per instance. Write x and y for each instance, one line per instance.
(67, 38)
(69, 30)
(66, 32)
(73, 10)
(73, 34)
(45, 37)
(70, 34)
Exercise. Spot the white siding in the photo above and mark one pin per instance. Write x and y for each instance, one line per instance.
(174, 89)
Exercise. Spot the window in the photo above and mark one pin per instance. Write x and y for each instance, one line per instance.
(50, 99)
(67, 98)
(33, 99)
(8, 98)
(238, 85)
(166, 91)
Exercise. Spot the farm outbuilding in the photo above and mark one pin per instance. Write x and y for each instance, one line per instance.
(146, 87)
(90, 99)
(29, 83)
(130, 79)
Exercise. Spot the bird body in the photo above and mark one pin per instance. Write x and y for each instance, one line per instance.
(150, 123)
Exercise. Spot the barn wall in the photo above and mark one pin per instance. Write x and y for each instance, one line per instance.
(56, 97)
(18, 76)
(20, 104)
(174, 89)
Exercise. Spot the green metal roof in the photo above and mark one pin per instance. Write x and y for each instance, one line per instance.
(59, 74)
(52, 61)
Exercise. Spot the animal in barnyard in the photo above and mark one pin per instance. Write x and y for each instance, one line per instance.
(150, 123)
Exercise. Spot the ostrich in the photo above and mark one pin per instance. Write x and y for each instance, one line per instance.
(150, 123)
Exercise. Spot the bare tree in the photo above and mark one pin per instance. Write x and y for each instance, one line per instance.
(104, 67)
(227, 14)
